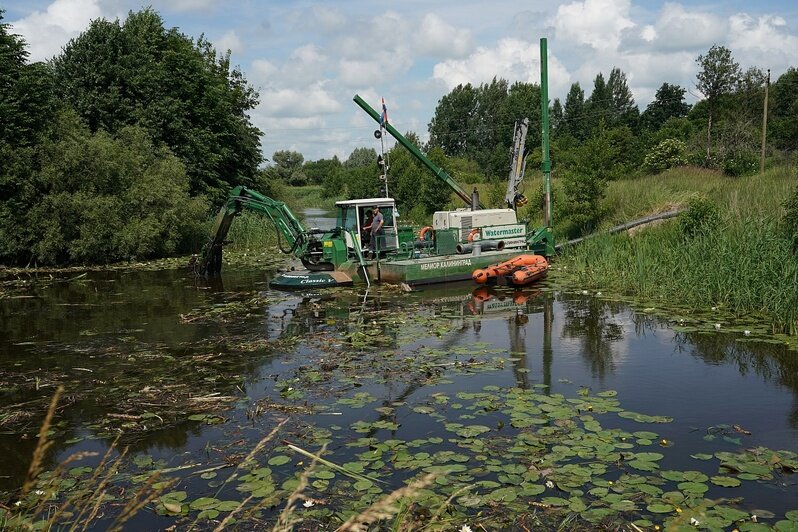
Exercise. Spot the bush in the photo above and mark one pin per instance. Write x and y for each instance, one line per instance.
(666, 154)
(740, 163)
(701, 218)
(105, 199)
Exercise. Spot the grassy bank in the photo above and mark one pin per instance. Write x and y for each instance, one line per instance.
(744, 265)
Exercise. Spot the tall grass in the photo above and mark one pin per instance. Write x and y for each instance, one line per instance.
(745, 267)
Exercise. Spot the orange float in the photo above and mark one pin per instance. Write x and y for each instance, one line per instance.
(533, 266)
(424, 231)
(472, 234)
(529, 274)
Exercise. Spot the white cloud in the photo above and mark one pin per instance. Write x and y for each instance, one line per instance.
(595, 23)
(679, 29)
(190, 5)
(764, 41)
(511, 59)
(47, 32)
(230, 41)
(382, 67)
(438, 38)
(329, 19)
(298, 103)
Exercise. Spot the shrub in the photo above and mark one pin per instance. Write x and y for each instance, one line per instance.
(105, 199)
(740, 163)
(702, 217)
(666, 154)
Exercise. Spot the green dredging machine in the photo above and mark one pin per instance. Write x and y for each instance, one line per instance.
(456, 244)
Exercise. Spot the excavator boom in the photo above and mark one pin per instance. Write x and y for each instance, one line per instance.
(437, 170)
(240, 198)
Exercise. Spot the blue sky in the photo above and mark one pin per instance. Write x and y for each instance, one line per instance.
(308, 58)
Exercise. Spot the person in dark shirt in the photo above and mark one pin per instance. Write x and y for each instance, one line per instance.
(376, 230)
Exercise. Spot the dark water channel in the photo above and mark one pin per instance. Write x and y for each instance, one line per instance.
(147, 344)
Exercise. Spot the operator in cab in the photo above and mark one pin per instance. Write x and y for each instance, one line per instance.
(376, 231)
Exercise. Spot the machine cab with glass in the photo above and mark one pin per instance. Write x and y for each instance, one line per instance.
(355, 216)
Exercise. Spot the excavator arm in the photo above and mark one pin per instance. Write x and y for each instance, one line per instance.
(289, 228)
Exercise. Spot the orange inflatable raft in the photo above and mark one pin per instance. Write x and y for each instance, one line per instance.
(529, 268)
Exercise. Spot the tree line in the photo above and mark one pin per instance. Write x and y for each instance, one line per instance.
(116, 148)
(122, 145)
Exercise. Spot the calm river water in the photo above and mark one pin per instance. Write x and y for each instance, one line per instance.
(112, 338)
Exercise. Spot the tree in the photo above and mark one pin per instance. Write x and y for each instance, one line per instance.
(623, 108)
(574, 111)
(556, 116)
(104, 198)
(450, 127)
(718, 75)
(668, 103)
(361, 157)
(288, 167)
(317, 171)
(783, 129)
(186, 97)
(27, 107)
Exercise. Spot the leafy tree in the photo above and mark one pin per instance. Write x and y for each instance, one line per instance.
(668, 103)
(362, 157)
(667, 154)
(317, 171)
(139, 73)
(574, 112)
(105, 198)
(718, 75)
(556, 117)
(450, 127)
(622, 104)
(288, 167)
(783, 128)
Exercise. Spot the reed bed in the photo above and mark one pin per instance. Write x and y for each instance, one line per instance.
(746, 268)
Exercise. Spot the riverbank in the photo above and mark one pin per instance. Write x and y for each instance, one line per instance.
(727, 253)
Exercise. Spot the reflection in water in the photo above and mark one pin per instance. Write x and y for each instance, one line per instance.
(593, 323)
(771, 362)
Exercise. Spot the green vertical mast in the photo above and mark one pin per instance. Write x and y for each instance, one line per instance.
(541, 240)
(545, 165)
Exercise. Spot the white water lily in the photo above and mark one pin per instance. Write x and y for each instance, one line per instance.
(717, 325)
(549, 484)
(308, 503)
(694, 521)
(753, 518)
(747, 332)
(465, 528)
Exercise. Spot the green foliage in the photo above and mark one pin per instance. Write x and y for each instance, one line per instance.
(666, 154)
(104, 198)
(362, 182)
(789, 222)
(287, 167)
(668, 103)
(783, 128)
(413, 185)
(139, 73)
(701, 218)
(478, 122)
(361, 158)
(26, 92)
(318, 171)
(740, 162)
